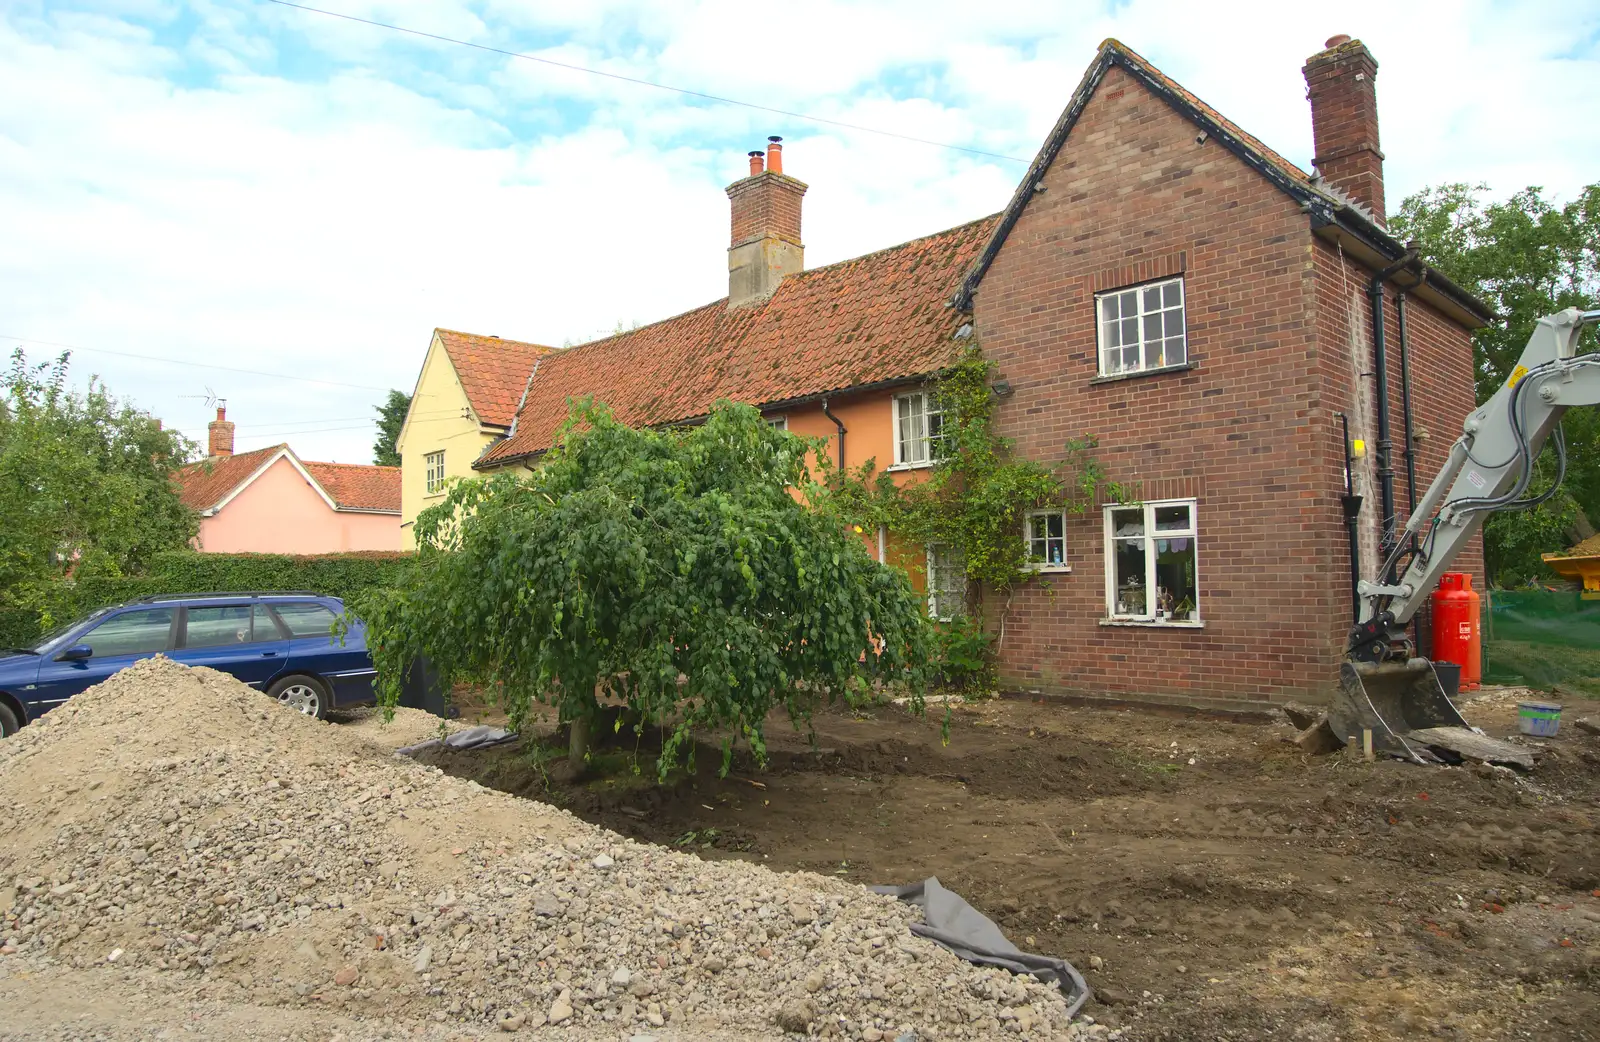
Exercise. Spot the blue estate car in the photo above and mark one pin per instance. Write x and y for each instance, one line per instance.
(280, 643)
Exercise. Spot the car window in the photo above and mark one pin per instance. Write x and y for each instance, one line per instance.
(218, 626)
(142, 632)
(265, 627)
(306, 620)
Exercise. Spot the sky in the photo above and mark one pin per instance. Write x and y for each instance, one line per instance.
(275, 207)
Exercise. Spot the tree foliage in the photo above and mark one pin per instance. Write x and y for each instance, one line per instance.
(85, 485)
(391, 417)
(674, 571)
(1527, 258)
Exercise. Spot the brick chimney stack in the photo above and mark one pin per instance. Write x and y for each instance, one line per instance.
(220, 432)
(766, 228)
(1344, 120)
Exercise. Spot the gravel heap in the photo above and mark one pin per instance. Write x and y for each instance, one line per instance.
(176, 829)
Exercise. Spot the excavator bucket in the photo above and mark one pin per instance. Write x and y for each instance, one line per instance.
(1410, 716)
(1391, 700)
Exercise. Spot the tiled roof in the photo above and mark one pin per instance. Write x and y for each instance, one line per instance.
(493, 371)
(874, 319)
(354, 486)
(202, 485)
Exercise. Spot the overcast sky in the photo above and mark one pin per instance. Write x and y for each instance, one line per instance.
(253, 187)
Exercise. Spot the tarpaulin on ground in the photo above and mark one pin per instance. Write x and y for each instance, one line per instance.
(952, 923)
(481, 736)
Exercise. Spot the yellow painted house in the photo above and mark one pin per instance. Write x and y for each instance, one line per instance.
(465, 398)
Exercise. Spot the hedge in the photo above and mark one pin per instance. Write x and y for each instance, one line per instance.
(187, 571)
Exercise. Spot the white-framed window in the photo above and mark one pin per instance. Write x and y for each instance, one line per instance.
(918, 429)
(780, 422)
(1152, 563)
(433, 466)
(947, 582)
(1046, 535)
(1141, 328)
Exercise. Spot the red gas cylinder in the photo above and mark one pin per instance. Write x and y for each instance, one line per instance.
(1456, 607)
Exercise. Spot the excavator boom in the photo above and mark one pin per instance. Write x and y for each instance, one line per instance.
(1384, 687)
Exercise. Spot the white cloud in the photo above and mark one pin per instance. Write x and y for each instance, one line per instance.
(277, 190)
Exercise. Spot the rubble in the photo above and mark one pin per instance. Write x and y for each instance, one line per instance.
(176, 832)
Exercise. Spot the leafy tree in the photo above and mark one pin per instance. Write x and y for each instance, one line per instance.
(85, 485)
(1527, 258)
(391, 417)
(673, 571)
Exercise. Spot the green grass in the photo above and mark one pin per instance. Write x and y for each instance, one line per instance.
(1572, 670)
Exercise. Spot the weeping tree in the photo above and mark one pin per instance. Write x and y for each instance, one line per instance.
(675, 572)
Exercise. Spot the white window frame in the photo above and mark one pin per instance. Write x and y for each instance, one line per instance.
(1150, 537)
(930, 408)
(936, 610)
(781, 422)
(433, 483)
(1140, 316)
(1027, 540)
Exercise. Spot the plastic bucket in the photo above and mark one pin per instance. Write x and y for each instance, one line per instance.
(1542, 719)
(1449, 674)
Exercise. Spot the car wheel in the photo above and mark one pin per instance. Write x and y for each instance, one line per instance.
(9, 724)
(301, 693)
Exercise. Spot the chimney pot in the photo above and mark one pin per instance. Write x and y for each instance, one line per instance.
(775, 154)
(1337, 40)
(1344, 121)
(219, 435)
(755, 162)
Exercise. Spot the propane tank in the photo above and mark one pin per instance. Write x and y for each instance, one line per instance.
(1456, 607)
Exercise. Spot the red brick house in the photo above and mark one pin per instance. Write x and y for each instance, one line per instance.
(1167, 283)
(1160, 280)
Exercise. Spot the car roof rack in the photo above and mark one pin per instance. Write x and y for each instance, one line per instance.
(152, 598)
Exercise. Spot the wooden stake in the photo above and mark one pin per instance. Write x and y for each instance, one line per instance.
(1366, 744)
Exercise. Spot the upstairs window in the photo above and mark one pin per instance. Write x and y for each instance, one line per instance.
(433, 466)
(1142, 328)
(780, 422)
(918, 429)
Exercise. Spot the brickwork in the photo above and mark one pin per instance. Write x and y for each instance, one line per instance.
(1341, 83)
(1276, 345)
(766, 205)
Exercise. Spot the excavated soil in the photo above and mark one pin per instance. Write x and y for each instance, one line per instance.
(183, 857)
(1210, 880)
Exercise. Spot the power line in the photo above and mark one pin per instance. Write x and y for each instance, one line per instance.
(189, 364)
(648, 83)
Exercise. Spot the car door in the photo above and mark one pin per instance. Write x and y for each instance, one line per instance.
(241, 639)
(114, 643)
(313, 649)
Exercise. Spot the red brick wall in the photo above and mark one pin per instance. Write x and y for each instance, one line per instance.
(767, 204)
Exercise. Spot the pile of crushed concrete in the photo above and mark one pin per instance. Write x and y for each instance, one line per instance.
(174, 833)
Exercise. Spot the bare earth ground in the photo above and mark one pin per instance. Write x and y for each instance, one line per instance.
(1210, 880)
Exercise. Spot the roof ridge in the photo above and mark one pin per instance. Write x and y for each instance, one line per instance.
(799, 275)
(364, 466)
(490, 336)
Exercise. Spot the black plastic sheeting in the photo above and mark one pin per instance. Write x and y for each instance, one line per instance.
(950, 922)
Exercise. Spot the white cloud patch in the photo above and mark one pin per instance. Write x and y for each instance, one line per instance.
(267, 189)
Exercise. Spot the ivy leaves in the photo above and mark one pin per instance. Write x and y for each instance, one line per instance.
(673, 571)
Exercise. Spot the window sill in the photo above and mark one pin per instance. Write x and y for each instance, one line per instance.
(433, 495)
(1049, 569)
(1119, 377)
(908, 466)
(1153, 624)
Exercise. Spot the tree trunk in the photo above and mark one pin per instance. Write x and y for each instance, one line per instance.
(578, 744)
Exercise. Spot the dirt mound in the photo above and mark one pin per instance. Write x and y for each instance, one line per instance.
(173, 832)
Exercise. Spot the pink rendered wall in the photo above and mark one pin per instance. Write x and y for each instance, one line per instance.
(280, 513)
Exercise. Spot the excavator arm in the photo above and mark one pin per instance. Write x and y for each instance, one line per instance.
(1384, 688)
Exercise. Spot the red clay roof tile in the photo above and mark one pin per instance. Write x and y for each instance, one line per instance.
(872, 319)
(204, 484)
(493, 371)
(355, 486)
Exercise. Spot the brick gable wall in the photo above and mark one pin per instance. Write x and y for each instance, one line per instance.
(1250, 430)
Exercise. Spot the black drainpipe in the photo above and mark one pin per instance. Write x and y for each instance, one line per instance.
(1352, 510)
(842, 431)
(1380, 363)
(1410, 453)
